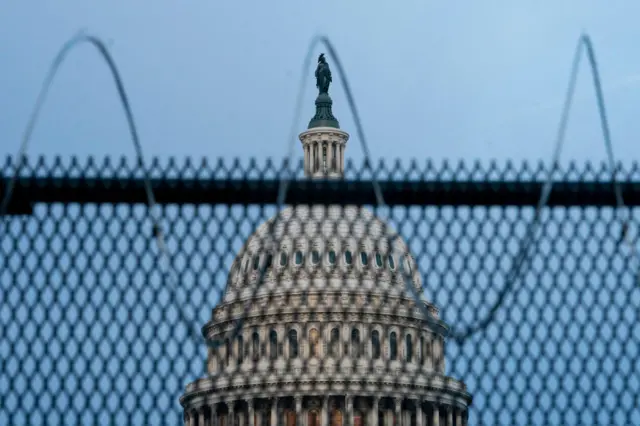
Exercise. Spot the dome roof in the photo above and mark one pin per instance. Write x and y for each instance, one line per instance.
(315, 248)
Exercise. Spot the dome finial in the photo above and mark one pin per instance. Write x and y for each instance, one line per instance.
(324, 116)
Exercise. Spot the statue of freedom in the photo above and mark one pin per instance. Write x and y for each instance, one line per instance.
(323, 75)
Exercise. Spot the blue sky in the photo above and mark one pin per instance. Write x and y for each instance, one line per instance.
(472, 80)
(433, 80)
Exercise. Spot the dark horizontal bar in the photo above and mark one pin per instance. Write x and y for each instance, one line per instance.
(30, 191)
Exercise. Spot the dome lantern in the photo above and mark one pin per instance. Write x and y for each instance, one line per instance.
(323, 142)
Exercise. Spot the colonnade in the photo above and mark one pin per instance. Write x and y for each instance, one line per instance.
(323, 157)
(334, 410)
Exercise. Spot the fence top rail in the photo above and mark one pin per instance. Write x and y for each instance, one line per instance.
(121, 181)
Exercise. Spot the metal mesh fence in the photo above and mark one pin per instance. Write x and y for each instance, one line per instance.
(93, 331)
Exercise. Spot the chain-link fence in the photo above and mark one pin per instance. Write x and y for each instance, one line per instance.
(97, 329)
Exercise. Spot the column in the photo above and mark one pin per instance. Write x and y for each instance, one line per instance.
(250, 413)
(418, 412)
(449, 416)
(187, 418)
(324, 417)
(374, 411)
(436, 415)
(201, 416)
(298, 400)
(232, 416)
(348, 399)
(305, 148)
(274, 411)
(214, 415)
(398, 408)
(458, 417)
(341, 156)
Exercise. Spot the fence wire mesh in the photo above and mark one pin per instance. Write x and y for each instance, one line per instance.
(313, 307)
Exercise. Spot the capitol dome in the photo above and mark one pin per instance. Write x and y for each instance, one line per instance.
(317, 327)
(320, 248)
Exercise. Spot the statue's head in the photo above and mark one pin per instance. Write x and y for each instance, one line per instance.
(321, 58)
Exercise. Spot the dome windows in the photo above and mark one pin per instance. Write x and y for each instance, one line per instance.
(392, 263)
(375, 344)
(393, 346)
(293, 344)
(355, 343)
(332, 257)
(273, 344)
(256, 262)
(348, 257)
(240, 347)
(228, 351)
(255, 345)
(334, 343)
(409, 348)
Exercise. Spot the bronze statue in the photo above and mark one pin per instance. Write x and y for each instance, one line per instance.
(323, 75)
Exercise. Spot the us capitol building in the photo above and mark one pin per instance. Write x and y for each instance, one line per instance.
(330, 336)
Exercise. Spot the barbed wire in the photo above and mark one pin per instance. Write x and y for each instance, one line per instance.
(530, 237)
(80, 38)
(526, 244)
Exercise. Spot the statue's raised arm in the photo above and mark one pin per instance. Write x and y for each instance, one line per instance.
(323, 75)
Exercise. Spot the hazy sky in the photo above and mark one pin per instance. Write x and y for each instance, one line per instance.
(432, 79)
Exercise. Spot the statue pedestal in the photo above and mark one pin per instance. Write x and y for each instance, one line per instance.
(324, 116)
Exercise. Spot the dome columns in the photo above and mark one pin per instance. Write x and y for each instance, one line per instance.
(323, 149)
(327, 410)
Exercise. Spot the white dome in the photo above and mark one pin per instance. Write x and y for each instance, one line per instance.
(322, 247)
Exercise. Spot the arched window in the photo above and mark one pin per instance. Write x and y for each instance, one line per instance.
(255, 345)
(334, 342)
(256, 262)
(375, 344)
(268, 261)
(422, 350)
(240, 347)
(227, 344)
(293, 344)
(314, 338)
(348, 259)
(409, 347)
(332, 257)
(393, 346)
(363, 258)
(315, 257)
(378, 260)
(392, 264)
(283, 259)
(273, 344)
(355, 343)
(299, 257)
